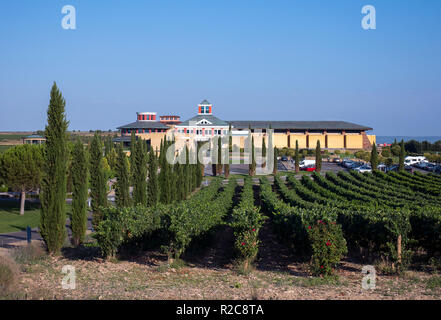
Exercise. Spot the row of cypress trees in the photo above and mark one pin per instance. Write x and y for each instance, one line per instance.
(174, 182)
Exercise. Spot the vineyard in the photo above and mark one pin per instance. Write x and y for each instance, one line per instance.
(371, 216)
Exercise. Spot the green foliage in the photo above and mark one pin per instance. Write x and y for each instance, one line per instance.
(395, 149)
(374, 157)
(402, 155)
(98, 181)
(318, 157)
(198, 215)
(124, 225)
(328, 246)
(385, 152)
(247, 222)
(152, 186)
(79, 193)
(53, 186)
(140, 174)
(297, 157)
(252, 166)
(22, 168)
(122, 193)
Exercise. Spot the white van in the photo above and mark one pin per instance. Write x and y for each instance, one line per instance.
(413, 160)
(305, 163)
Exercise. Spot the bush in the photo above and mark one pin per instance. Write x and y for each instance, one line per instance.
(29, 254)
(8, 275)
(328, 246)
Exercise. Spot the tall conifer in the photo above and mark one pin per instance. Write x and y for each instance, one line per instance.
(140, 174)
(98, 181)
(297, 157)
(152, 184)
(79, 193)
(318, 157)
(53, 187)
(122, 193)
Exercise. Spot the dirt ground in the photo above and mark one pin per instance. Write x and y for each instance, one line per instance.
(211, 275)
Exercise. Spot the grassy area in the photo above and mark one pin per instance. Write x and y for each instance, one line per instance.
(11, 136)
(11, 221)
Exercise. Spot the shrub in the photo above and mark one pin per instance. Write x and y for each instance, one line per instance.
(328, 246)
(8, 275)
(29, 254)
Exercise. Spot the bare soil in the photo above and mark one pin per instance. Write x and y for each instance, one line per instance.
(209, 273)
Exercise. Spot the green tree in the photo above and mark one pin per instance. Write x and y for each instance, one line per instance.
(402, 155)
(276, 154)
(252, 167)
(140, 174)
(132, 154)
(122, 186)
(227, 154)
(318, 157)
(297, 157)
(165, 175)
(263, 153)
(53, 186)
(374, 157)
(219, 156)
(395, 149)
(79, 193)
(385, 152)
(152, 185)
(98, 181)
(199, 166)
(22, 169)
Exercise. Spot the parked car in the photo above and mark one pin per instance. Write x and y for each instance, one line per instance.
(364, 168)
(347, 163)
(309, 168)
(355, 165)
(284, 158)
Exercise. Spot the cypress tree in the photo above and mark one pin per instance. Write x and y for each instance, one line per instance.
(122, 193)
(132, 155)
(98, 181)
(213, 165)
(152, 185)
(263, 153)
(252, 167)
(374, 157)
(318, 157)
(165, 175)
(140, 174)
(53, 187)
(401, 159)
(297, 157)
(186, 172)
(276, 154)
(227, 156)
(79, 193)
(200, 167)
(219, 156)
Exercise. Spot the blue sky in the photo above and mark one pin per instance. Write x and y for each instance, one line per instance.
(256, 60)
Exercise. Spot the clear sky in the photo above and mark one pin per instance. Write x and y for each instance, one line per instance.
(254, 60)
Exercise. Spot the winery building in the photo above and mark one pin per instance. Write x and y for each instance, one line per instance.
(204, 125)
